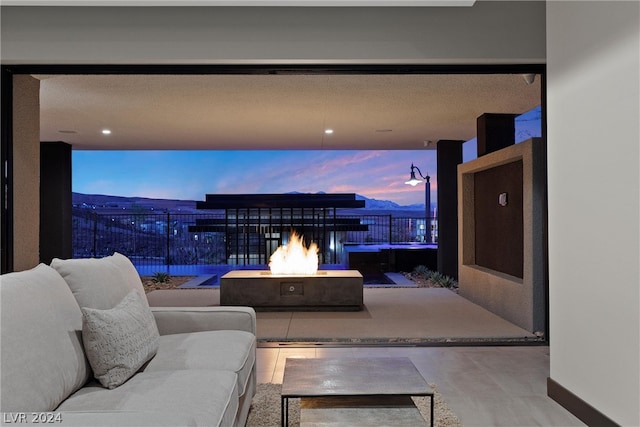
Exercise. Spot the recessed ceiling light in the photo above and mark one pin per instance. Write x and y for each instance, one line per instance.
(328, 131)
(106, 132)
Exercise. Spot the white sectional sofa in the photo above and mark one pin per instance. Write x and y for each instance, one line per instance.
(81, 347)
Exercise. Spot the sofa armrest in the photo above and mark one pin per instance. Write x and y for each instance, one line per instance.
(177, 320)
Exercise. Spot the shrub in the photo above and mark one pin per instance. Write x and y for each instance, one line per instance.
(442, 280)
(436, 278)
(161, 277)
(422, 270)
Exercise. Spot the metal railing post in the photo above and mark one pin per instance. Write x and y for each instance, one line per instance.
(95, 234)
(168, 259)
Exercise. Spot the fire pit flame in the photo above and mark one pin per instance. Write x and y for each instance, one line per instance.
(295, 258)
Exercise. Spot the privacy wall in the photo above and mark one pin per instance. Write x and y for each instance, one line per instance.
(501, 229)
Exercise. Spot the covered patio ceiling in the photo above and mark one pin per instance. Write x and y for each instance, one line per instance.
(275, 111)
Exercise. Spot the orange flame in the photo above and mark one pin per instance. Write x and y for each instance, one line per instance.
(295, 258)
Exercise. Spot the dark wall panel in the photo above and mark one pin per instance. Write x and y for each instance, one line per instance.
(499, 229)
(55, 201)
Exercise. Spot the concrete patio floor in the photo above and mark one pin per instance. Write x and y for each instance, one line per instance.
(392, 315)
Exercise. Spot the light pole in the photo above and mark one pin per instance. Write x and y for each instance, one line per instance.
(413, 181)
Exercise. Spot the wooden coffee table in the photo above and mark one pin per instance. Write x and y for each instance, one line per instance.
(383, 380)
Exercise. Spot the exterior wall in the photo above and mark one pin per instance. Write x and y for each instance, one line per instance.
(593, 91)
(519, 300)
(26, 172)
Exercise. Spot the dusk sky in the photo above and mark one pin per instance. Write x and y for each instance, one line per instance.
(190, 175)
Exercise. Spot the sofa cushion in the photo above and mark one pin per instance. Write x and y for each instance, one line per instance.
(42, 355)
(210, 397)
(229, 350)
(99, 282)
(120, 340)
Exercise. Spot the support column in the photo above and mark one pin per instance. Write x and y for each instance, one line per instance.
(449, 156)
(55, 201)
(26, 172)
(495, 131)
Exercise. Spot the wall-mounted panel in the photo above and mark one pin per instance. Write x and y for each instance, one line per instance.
(498, 219)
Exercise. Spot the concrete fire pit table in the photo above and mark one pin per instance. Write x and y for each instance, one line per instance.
(327, 290)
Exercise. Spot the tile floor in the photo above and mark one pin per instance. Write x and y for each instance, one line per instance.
(484, 386)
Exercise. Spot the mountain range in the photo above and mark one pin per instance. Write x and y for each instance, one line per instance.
(102, 202)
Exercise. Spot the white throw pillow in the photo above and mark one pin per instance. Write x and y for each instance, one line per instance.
(120, 340)
(99, 282)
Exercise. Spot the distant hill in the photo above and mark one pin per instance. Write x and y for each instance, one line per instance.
(387, 204)
(104, 202)
(101, 202)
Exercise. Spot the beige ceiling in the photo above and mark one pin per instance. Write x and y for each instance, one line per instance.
(207, 112)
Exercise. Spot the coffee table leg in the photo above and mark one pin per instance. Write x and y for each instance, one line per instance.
(432, 404)
(284, 411)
